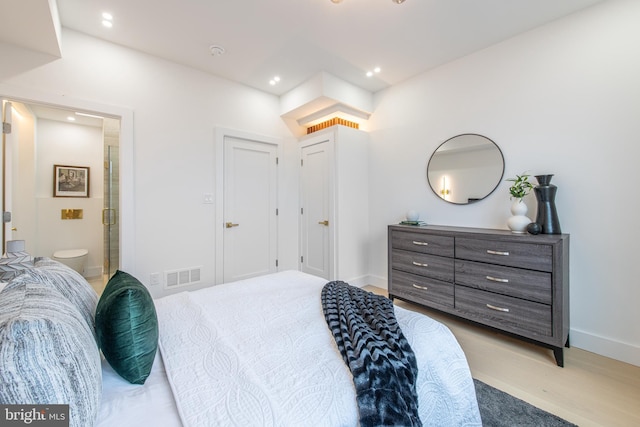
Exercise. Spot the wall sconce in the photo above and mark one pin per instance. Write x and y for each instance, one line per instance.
(444, 192)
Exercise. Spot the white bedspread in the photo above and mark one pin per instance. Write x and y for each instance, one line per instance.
(259, 353)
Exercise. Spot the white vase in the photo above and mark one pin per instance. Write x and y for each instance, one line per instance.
(412, 215)
(519, 221)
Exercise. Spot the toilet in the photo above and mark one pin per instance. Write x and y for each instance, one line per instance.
(73, 258)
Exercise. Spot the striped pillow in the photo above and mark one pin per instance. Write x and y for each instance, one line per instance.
(48, 354)
(71, 284)
(65, 280)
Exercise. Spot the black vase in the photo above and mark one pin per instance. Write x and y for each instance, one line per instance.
(547, 216)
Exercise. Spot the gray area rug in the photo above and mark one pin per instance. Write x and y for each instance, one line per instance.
(500, 409)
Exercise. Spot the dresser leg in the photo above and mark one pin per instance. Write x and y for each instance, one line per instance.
(567, 343)
(558, 352)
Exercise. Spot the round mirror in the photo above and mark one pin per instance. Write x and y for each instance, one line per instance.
(465, 169)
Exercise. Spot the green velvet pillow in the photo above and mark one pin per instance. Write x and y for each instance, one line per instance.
(127, 327)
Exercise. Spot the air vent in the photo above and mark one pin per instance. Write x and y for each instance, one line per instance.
(184, 277)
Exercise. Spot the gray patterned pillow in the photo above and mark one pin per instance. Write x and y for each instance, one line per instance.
(69, 283)
(48, 354)
(14, 263)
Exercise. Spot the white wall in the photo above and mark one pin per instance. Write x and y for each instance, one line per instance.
(71, 145)
(562, 99)
(175, 111)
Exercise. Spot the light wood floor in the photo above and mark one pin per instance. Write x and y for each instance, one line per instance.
(591, 390)
(98, 283)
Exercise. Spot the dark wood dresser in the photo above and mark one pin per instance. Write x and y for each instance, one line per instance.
(516, 283)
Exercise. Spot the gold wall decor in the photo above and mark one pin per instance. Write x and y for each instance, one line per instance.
(332, 122)
(71, 214)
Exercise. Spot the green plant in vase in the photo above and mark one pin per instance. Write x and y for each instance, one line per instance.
(521, 187)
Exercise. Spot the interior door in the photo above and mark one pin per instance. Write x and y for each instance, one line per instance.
(250, 209)
(315, 221)
(7, 172)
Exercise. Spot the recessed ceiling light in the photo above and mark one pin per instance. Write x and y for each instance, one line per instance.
(71, 119)
(107, 19)
(274, 81)
(375, 71)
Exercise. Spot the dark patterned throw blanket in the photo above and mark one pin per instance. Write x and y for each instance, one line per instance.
(381, 360)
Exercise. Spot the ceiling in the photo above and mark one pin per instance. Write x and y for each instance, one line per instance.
(293, 39)
(63, 115)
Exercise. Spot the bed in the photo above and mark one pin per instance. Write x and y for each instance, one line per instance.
(258, 352)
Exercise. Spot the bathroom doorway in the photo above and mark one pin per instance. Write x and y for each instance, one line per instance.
(43, 136)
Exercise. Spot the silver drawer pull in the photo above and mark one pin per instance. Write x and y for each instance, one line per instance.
(415, 242)
(495, 279)
(419, 264)
(493, 307)
(504, 253)
(420, 287)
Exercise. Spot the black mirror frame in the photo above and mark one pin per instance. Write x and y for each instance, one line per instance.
(473, 200)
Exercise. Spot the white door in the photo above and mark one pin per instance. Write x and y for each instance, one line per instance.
(250, 198)
(315, 210)
(6, 169)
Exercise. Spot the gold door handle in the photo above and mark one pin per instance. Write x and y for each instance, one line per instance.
(14, 229)
(108, 216)
(230, 224)
(325, 222)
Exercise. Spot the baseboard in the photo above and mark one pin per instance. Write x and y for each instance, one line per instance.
(90, 272)
(607, 347)
(371, 280)
(358, 281)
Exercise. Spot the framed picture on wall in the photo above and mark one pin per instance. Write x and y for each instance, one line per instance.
(70, 181)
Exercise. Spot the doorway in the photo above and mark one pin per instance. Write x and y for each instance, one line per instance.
(316, 221)
(246, 205)
(42, 136)
(250, 237)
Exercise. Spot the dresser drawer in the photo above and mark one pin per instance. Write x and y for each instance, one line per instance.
(504, 312)
(509, 253)
(435, 267)
(422, 290)
(422, 242)
(526, 284)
